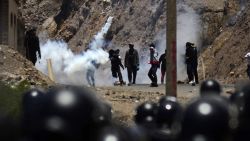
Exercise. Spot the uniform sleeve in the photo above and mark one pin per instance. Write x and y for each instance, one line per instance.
(38, 47)
(161, 58)
(247, 55)
(120, 62)
(195, 54)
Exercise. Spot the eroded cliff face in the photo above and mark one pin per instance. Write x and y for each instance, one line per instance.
(214, 15)
(140, 21)
(77, 21)
(224, 59)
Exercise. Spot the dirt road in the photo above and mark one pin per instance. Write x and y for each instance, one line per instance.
(124, 99)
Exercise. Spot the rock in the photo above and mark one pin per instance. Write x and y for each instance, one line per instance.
(49, 26)
(18, 78)
(231, 91)
(16, 70)
(231, 73)
(132, 97)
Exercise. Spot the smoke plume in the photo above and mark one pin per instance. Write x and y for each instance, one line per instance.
(188, 30)
(243, 4)
(233, 19)
(160, 43)
(70, 68)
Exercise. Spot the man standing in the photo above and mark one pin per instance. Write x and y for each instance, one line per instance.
(162, 61)
(116, 63)
(32, 46)
(131, 63)
(154, 66)
(91, 72)
(192, 63)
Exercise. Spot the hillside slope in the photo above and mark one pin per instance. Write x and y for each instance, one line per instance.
(138, 21)
(224, 59)
(77, 21)
(142, 22)
(15, 69)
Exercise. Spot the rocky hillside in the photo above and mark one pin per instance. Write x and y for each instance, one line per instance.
(224, 59)
(214, 14)
(139, 22)
(15, 69)
(77, 21)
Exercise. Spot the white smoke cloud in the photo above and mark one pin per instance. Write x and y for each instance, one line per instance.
(70, 68)
(160, 43)
(99, 41)
(243, 4)
(188, 30)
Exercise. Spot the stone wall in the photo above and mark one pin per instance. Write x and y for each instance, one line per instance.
(4, 22)
(12, 29)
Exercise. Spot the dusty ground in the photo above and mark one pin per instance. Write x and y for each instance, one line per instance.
(124, 99)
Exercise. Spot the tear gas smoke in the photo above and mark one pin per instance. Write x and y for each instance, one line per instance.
(142, 73)
(243, 4)
(160, 44)
(99, 40)
(70, 68)
(188, 30)
(233, 19)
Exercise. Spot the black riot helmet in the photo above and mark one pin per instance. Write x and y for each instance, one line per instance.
(33, 110)
(54, 127)
(210, 87)
(9, 129)
(240, 100)
(110, 132)
(73, 107)
(137, 133)
(33, 101)
(146, 114)
(169, 112)
(206, 118)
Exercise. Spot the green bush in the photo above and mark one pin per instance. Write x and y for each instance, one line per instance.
(10, 98)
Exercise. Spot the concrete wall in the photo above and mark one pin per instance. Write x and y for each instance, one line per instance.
(20, 37)
(13, 24)
(11, 28)
(4, 16)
